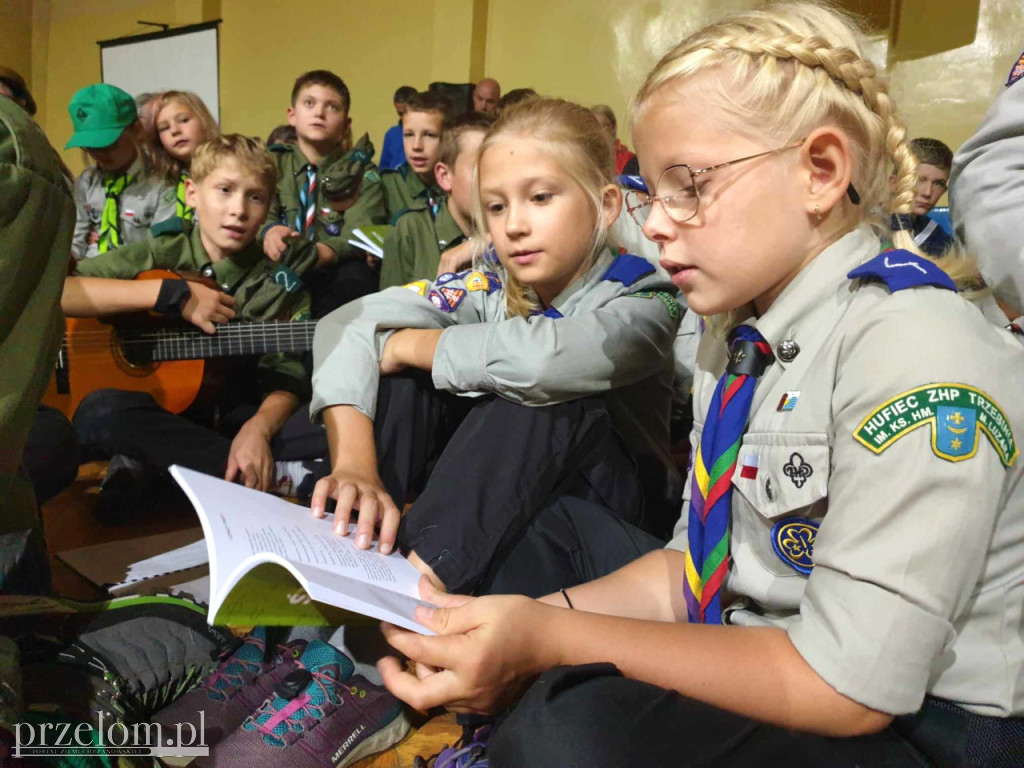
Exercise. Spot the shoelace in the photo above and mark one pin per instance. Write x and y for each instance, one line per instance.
(296, 727)
(235, 680)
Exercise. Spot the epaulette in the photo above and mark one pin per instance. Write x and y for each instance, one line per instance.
(172, 226)
(900, 269)
(280, 148)
(403, 211)
(627, 269)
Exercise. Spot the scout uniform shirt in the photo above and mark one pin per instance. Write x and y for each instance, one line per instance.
(413, 248)
(611, 331)
(264, 290)
(404, 190)
(38, 216)
(144, 202)
(877, 505)
(332, 228)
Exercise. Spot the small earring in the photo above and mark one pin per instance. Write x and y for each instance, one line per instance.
(817, 212)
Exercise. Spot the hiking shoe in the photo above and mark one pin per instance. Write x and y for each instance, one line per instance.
(321, 716)
(469, 752)
(127, 657)
(241, 683)
(123, 490)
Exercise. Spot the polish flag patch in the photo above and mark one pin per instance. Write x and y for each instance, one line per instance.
(749, 468)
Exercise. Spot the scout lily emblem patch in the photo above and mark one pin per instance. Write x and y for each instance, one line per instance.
(793, 542)
(957, 413)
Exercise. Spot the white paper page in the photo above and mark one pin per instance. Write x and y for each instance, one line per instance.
(368, 247)
(188, 556)
(242, 522)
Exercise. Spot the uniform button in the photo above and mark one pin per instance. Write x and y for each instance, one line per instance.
(442, 243)
(225, 286)
(788, 350)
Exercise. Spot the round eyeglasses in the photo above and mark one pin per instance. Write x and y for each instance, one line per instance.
(676, 190)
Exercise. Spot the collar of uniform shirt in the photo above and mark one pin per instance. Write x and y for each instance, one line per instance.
(227, 272)
(590, 278)
(818, 290)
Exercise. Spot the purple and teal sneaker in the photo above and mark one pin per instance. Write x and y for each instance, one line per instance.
(321, 716)
(243, 680)
(469, 752)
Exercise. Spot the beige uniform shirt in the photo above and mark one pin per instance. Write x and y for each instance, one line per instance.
(148, 200)
(916, 582)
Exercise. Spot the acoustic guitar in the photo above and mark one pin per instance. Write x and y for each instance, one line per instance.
(143, 352)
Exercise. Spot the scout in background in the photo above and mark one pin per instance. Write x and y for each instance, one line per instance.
(541, 389)
(230, 187)
(413, 184)
(283, 134)
(606, 118)
(841, 583)
(392, 153)
(181, 122)
(319, 112)
(424, 244)
(934, 161)
(118, 199)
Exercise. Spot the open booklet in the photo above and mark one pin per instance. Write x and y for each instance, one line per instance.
(273, 563)
(370, 239)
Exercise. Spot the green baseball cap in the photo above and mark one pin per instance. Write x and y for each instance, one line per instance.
(100, 113)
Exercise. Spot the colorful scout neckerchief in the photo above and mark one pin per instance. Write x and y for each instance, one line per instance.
(707, 553)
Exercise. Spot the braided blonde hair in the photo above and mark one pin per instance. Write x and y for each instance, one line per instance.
(781, 72)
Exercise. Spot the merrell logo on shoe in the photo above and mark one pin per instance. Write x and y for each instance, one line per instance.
(348, 743)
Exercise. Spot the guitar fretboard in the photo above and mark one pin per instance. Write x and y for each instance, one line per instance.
(231, 340)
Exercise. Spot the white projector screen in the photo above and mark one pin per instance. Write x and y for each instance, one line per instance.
(183, 59)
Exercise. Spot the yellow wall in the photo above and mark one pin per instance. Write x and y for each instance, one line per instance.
(15, 45)
(587, 50)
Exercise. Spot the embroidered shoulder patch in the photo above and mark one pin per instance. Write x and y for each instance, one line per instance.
(438, 301)
(793, 542)
(371, 176)
(664, 297)
(477, 281)
(956, 412)
(453, 297)
(1017, 72)
(420, 287)
(286, 278)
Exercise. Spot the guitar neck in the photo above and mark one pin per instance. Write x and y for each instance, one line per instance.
(242, 339)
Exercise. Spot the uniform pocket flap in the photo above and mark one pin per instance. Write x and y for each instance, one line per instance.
(780, 473)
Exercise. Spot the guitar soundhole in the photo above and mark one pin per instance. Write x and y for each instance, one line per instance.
(133, 355)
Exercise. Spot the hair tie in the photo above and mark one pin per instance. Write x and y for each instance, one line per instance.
(902, 221)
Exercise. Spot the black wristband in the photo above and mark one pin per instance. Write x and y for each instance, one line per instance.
(173, 293)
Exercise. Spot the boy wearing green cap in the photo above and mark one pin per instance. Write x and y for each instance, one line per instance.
(319, 112)
(117, 200)
(421, 240)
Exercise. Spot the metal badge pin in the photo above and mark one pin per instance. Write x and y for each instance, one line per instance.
(788, 350)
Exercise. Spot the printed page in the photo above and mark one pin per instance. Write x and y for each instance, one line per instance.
(244, 527)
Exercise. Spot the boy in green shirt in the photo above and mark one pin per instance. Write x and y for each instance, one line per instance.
(425, 245)
(413, 184)
(319, 112)
(231, 185)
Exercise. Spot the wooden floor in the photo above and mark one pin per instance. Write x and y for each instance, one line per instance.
(69, 524)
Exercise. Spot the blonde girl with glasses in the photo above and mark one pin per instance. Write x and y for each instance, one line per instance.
(523, 403)
(846, 582)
